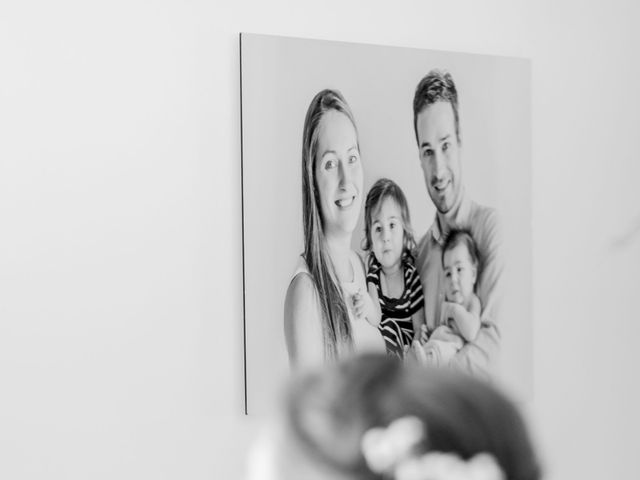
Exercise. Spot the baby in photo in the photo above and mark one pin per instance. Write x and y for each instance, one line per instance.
(393, 282)
(460, 320)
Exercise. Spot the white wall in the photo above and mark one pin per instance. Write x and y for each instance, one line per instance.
(120, 257)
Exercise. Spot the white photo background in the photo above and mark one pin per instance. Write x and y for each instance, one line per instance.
(280, 76)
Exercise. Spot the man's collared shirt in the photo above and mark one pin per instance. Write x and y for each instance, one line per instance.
(477, 357)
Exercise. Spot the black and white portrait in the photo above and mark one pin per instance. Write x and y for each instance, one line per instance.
(386, 207)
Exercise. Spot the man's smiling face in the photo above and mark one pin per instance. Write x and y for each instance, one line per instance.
(439, 152)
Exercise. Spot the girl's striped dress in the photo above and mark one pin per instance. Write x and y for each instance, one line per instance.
(396, 325)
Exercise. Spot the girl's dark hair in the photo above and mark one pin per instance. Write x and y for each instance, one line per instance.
(382, 189)
(327, 413)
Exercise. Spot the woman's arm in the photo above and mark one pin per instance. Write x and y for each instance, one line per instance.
(303, 323)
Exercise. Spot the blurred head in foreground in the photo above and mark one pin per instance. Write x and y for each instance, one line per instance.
(373, 418)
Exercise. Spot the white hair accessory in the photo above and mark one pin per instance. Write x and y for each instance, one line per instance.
(384, 448)
(392, 451)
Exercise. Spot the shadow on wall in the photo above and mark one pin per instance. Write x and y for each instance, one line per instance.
(627, 238)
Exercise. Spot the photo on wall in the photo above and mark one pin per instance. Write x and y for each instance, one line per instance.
(386, 197)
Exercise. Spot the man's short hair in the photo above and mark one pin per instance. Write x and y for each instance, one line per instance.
(436, 86)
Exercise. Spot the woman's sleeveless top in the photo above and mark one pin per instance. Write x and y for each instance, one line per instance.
(366, 337)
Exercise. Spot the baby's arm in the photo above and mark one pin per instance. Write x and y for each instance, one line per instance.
(466, 322)
(367, 305)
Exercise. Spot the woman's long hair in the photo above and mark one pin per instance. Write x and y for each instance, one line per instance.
(336, 327)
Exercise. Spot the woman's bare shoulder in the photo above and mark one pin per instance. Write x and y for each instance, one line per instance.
(301, 287)
(301, 303)
(302, 327)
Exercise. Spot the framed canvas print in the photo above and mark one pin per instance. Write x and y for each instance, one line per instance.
(386, 207)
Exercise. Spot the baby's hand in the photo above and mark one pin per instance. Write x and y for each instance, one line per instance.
(453, 311)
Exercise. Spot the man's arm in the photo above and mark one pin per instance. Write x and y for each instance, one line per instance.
(478, 356)
(416, 299)
(429, 266)
(418, 322)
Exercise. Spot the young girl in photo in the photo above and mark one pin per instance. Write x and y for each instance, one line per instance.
(393, 282)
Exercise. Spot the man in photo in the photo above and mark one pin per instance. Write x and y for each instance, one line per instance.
(437, 129)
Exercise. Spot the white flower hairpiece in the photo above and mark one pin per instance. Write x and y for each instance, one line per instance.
(384, 448)
(393, 450)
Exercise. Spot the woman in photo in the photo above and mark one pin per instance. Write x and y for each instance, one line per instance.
(327, 306)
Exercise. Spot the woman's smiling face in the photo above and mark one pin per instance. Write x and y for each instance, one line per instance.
(338, 173)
